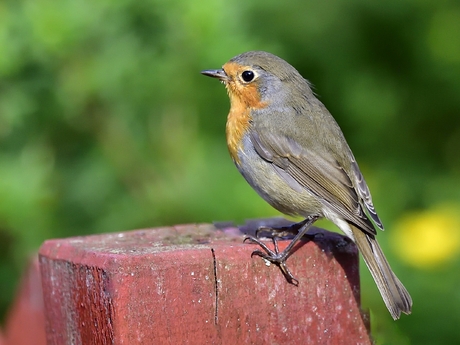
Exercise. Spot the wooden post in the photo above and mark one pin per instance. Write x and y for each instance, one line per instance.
(25, 321)
(197, 284)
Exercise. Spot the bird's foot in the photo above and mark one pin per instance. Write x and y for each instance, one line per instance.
(275, 256)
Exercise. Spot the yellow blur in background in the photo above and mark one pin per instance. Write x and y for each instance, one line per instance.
(428, 238)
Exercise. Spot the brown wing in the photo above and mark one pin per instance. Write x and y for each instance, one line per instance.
(365, 194)
(317, 172)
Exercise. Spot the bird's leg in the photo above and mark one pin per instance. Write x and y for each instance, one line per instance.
(274, 256)
(282, 231)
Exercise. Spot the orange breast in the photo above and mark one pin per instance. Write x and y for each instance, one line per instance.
(243, 99)
(237, 125)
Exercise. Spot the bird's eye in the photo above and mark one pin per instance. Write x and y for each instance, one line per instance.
(247, 76)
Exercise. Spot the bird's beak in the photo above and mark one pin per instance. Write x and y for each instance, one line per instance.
(216, 73)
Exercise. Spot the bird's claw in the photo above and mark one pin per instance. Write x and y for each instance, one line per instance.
(273, 256)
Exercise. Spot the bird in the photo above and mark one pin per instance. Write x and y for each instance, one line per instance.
(292, 152)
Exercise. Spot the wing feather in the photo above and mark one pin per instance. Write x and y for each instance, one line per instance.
(321, 175)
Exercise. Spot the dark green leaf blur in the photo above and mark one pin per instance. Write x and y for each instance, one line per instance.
(107, 125)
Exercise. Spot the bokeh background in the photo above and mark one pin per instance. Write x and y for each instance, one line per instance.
(107, 125)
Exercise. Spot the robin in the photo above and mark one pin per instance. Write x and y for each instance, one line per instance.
(290, 149)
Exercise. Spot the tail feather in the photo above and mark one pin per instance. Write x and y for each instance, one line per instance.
(394, 294)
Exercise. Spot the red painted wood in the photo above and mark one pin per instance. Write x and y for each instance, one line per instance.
(25, 323)
(194, 284)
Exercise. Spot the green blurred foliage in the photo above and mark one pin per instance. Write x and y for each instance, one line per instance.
(107, 125)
